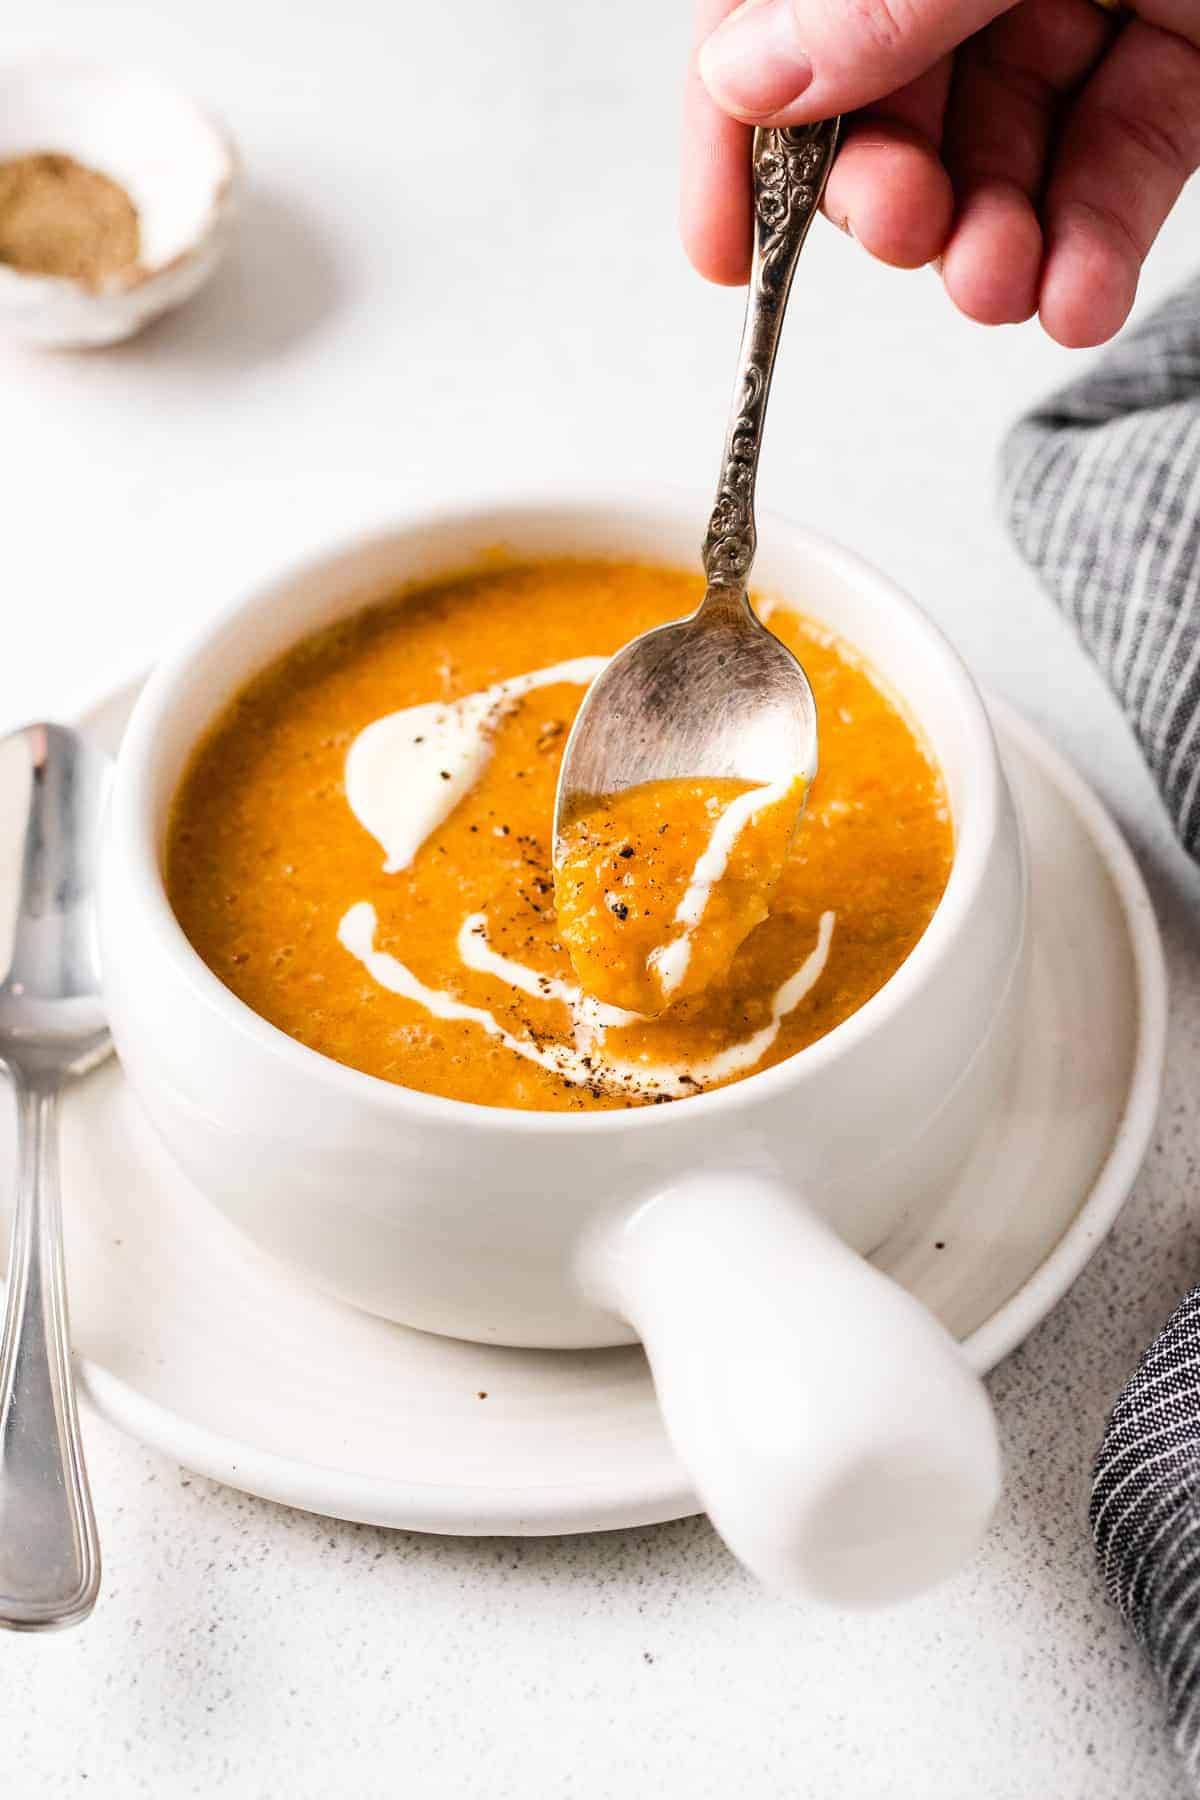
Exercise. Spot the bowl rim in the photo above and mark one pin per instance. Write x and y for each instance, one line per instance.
(132, 837)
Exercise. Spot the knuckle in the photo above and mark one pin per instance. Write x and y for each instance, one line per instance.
(884, 27)
(1100, 215)
(1166, 140)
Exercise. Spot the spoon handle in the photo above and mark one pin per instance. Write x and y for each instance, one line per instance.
(791, 165)
(49, 1553)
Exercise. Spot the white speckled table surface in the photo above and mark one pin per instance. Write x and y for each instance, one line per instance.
(458, 268)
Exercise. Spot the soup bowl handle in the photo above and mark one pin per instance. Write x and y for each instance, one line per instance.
(837, 1436)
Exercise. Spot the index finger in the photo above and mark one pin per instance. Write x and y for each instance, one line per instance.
(1130, 144)
(715, 219)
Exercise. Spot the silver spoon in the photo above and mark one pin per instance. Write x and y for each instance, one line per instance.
(717, 693)
(52, 1029)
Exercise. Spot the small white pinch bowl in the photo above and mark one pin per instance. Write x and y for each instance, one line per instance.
(175, 163)
(832, 1427)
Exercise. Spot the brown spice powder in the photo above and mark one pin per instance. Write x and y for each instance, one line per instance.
(59, 218)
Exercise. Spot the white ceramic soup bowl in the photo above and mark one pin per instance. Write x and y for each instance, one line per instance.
(831, 1425)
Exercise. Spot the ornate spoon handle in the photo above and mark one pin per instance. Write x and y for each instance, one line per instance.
(791, 165)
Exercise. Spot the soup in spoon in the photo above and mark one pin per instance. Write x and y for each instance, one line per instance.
(657, 887)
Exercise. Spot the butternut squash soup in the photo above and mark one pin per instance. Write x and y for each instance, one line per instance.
(361, 851)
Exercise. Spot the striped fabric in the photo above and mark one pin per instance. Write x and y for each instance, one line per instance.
(1102, 491)
(1145, 1516)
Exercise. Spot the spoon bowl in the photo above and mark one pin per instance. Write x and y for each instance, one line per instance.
(714, 694)
(50, 1004)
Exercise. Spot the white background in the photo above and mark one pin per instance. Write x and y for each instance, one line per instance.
(458, 269)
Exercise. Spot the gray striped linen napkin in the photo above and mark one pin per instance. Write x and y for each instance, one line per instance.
(1102, 491)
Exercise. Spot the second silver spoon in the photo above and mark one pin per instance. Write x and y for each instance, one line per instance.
(52, 1029)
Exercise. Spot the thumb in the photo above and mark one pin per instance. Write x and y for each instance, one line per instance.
(788, 62)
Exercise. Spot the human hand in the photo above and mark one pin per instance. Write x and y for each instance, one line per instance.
(1032, 147)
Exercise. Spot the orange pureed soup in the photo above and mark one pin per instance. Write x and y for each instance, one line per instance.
(361, 851)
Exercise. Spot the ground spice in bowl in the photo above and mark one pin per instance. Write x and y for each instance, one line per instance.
(58, 217)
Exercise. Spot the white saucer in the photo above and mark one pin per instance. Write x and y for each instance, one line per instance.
(193, 1341)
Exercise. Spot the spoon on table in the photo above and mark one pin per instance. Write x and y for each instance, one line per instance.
(717, 693)
(52, 1029)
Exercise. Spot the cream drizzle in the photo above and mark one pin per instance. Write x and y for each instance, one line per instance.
(669, 963)
(477, 953)
(406, 772)
(584, 1062)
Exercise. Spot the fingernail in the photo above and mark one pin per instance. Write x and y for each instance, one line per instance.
(752, 63)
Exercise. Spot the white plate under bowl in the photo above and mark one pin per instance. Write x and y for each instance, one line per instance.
(192, 1340)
